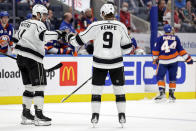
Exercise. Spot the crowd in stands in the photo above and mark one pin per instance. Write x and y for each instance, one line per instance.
(184, 13)
(184, 17)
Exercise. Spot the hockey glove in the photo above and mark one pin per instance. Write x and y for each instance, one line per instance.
(61, 33)
(189, 60)
(67, 37)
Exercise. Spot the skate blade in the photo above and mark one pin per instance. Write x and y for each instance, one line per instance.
(94, 125)
(42, 123)
(26, 121)
(122, 125)
(172, 101)
(122, 122)
(161, 100)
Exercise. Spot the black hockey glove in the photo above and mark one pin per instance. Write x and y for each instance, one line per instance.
(61, 34)
(67, 37)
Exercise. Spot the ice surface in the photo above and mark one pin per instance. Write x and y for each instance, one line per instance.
(144, 115)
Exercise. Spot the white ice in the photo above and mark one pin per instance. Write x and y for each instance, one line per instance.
(144, 115)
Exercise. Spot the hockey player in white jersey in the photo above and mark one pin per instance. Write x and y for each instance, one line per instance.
(111, 41)
(32, 36)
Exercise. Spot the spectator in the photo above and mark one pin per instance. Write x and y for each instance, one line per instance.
(125, 17)
(29, 16)
(167, 16)
(71, 11)
(43, 2)
(51, 22)
(161, 10)
(177, 20)
(167, 13)
(6, 33)
(59, 47)
(88, 18)
(180, 3)
(187, 13)
(67, 23)
(79, 25)
(132, 6)
(145, 2)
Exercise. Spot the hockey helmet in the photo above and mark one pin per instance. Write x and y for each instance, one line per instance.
(167, 28)
(106, 9)
(38, 8)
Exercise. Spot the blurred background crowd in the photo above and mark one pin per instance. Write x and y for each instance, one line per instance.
(65, 18)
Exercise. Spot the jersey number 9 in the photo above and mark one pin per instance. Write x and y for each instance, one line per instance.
(108, 37)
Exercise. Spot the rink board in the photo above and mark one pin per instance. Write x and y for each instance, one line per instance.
(139, 78)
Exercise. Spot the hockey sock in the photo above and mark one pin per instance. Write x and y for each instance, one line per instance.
(162, 90)
(96, 103)
(39, 99)
(27, 99)
(172, 86)
(171, 91)
(121, 103)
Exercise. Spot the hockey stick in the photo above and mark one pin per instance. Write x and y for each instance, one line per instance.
(59, 65)
(64, 99)
(8, 56)
(185, 61)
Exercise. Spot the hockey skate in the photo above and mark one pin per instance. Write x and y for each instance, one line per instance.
(40, 119)
(172, 98)
(27, 117)
(95, 119)
(161, 97)
(122, 119)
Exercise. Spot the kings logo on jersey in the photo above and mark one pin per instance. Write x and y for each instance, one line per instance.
(68, 74)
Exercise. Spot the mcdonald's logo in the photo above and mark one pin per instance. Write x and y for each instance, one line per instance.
(68, 74)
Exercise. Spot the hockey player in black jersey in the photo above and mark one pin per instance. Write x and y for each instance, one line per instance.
(111, 41)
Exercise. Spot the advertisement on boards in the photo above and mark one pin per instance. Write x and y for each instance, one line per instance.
(140, 76)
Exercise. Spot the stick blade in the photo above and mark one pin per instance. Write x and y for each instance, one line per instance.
(55, 67)
(64, 99)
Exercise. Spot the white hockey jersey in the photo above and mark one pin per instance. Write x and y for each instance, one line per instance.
(30, 44)
(111, 41)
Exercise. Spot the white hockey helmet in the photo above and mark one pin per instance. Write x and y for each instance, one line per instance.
(106, 9)
(38, 8)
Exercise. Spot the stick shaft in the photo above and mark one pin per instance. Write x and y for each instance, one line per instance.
(185, 61)
(8, 56)
(64, 99)
(59, 65)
